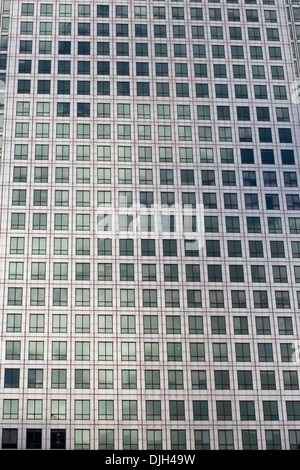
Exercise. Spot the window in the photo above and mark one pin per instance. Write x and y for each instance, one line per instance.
(270, 409)
(105, 409)
(9, 438)
(58, 439)
(84, 10)
(35, 378)
(224, 410)
(177, 411)
(152, 379)
(82, 409)
(129, 379)
(82, 439)
(105, 379)
(106, 439)
(130, 439)
(150, 324)
(12, 350)
(247, 410)
(82, 378)
(11, 378)
(153, 410)
(34, 409)
(151, 351)
(175, 379)
(222, 380)
(13, 323)
(154, 439)
(173, 325)
(58, 378)
(33, 439)
(244, 380)
(15, 296)
(290, 379)
(178, 439)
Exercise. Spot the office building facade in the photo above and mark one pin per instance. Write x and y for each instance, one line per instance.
(149, 246)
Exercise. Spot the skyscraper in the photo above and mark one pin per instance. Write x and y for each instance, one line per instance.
(149, 245)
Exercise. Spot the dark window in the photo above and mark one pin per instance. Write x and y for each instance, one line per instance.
(103, 29)
(141, 31)
(84, 29)
(267, 157)
(83, 109)
(122, 48)
(247, 156)
(84, 48)
(142, 68)
(103, 68)
(83, 87)
(58, 439)
(83, 67)
(287, 157)
(44, 66)
(63, 87)
(11, 378)
(34, 439)
(63, 109)
(122, 30)
(123, 88)
(64, 67)
(103, 48)
(103, 88)
(24, 86)
(143, 89)
(285, 136)
(122, 68)
(102, 11)
(64, 47)
(24, 66)
(160, 31)
(25, 47)
(141, 49)
(43, 87)
(265, 134)
(9, 438)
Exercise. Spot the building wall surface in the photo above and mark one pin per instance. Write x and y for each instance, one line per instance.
(149, 245)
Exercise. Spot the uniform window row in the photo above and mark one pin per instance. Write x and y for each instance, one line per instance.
(174, 352)
(164, 133)
(167, 176)
(60, 297)
(151, 325)
(162, 69)
(160, 49)
(122, 11)
(106, 439)
(148, 222)
(127, 272)
(158, 12)
(142, 30)
(165, 154)
(177, 410)
(152, 380)
(148, 248)
(162, 89)
(144, 112)
(61, 197)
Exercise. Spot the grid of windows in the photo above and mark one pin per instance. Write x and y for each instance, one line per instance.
(126, 106)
